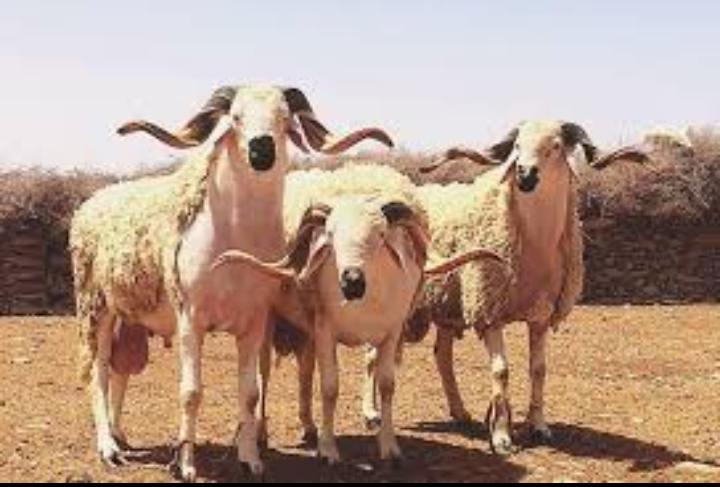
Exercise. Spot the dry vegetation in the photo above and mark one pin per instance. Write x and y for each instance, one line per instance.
(675, 189)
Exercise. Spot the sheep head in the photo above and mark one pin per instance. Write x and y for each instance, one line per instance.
(535, 148)
(256, 123)
(357, 231)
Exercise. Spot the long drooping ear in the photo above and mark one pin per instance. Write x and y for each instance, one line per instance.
(314, 219)
(504, 149)
(574, 135)
(636, 155)
(400, 214)
(197, 130)
(319, 138)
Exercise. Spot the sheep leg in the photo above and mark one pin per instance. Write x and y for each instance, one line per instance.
(371, 414)
(191, 393)
(108, 448)
(326, 348)
(499, 416)
(118, 390)
(306, 375)
(265, 375)
(249, 348)
(445, 360)
(541, 432)
(386, 372)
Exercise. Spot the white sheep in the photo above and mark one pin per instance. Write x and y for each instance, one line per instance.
(355, 272)
(142, 252)
(526, 211)
(671, 139)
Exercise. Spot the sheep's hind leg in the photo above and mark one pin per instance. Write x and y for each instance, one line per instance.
(108, 448)
(540, 431)
(445, 361)
(499, 416)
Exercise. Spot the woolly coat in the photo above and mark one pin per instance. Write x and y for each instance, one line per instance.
(480, 215)
(295, 306)
(124, 244)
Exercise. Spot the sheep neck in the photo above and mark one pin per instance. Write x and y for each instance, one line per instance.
(247, 206)
(543, 214)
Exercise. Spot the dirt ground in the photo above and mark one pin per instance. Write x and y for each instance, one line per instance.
(634, 396)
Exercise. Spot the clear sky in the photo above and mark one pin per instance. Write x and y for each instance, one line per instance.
(432, 72)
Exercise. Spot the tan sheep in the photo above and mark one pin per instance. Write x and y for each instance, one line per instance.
(526, 211)
(353, 277)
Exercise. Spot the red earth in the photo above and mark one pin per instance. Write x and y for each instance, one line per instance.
(634, 396)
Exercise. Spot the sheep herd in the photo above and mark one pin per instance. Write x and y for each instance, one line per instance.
(234, 242)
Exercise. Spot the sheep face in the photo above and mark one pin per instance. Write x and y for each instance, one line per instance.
(540, 148)
(254, 123)
(357, 232)
(260, 121)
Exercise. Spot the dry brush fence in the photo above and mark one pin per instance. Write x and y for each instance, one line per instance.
(653, 234)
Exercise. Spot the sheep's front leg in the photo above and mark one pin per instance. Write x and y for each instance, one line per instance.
(108, 448)
(499, 416)
(372, 417)
(118, 390)
(306, 376)
(445, 361)
(191, 393)
(265, 374)
(386, 372)
(326, 348)
(541, 432)
(249, 347)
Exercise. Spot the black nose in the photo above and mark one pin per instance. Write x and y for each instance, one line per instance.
(528, 179)
(262, 153)
(353, 284)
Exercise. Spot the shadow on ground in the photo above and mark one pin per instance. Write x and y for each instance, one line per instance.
(426, 461)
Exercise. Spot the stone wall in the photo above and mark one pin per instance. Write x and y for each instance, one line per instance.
(641, 264)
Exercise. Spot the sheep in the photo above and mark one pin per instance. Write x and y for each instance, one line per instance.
(355, 272)
(670, 139)
(525, 211)
(142, 252)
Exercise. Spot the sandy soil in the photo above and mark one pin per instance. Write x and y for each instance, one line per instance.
(634, 396)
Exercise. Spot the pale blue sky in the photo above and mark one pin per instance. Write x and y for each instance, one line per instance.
(433, 73)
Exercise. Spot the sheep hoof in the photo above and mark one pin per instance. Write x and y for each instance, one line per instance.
(112, 456)
(311, 440)
(122, 443)
(503, 447)
(394, 464)
(253, 471)
(542, 436)
(373, 424)
(329, 461)
(182, 467)
(114, 461)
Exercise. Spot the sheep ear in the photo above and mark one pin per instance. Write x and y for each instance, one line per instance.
(395, 243)
(574, 135)
(319, 252)
(505, 148)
